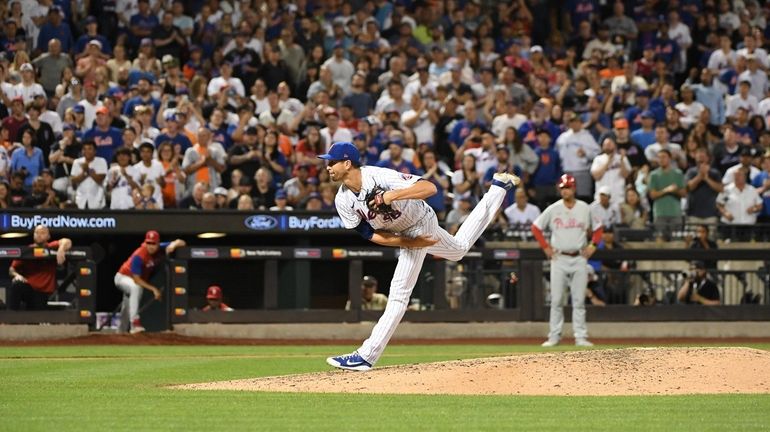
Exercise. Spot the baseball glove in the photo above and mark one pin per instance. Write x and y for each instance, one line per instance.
(376, 202)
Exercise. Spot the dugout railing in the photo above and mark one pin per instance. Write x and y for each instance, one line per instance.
(73, 301)
(525, 300)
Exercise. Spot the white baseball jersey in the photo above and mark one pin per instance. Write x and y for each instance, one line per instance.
(568, 144)
(569, 227)
(352, 206)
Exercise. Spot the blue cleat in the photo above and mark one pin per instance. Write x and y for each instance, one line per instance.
(352, 361)
(505, 180)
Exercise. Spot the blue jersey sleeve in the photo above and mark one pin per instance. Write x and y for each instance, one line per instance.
(137, 265)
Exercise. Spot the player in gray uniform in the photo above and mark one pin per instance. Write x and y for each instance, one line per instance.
(570, 222)
(412, 226)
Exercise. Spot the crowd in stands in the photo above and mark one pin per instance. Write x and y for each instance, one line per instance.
(659, 109)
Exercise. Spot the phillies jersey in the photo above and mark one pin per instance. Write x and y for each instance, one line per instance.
(352, 206)
(141, 263)
(569, 227)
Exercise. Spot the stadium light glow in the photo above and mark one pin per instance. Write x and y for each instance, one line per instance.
(211, 235)
(13, 235)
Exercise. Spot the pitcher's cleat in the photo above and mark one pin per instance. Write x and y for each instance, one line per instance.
(505, 180)
(352, 361)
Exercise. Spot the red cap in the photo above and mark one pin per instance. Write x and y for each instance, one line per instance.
(214, 292)
(152, 237)
(621, 124)
(567, 180)
(102, 110)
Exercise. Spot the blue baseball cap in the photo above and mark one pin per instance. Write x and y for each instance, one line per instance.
(648, 114)
(342, 151)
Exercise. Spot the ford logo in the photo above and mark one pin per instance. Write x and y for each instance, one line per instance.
(261, 222)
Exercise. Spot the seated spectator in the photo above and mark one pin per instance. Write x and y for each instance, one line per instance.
(702, 241)
(193, 201)
(146, 198)
(33, 281)
(633, 212)
(16, 192)
(457, 215)
(313, 202)
(281, 201)
(87, 176)
(214, 300)
(221, 196)
(297, 188)
(39, 197)
(697, 288)
(521, 213)
(208, 201)
(604, 210)
(5, 195)
(370, 298)
(29, 159)
(245, 202)
(396, 159)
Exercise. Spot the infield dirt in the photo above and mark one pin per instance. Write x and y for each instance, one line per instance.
(630, 371)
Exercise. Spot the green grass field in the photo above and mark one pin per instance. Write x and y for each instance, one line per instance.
(123, 388)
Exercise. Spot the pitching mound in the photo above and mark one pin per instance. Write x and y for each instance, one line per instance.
(633, 371)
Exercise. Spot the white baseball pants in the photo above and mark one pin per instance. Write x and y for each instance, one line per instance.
(410, 262)
(568, 270)
(132, 290)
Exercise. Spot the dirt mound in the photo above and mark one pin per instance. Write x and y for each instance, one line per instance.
(633, 371)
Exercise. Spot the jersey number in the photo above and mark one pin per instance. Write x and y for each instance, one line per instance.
(386, 217)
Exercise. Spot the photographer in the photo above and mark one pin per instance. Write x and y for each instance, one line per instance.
(697, 288)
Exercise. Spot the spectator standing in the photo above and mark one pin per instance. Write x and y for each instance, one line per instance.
(666, 188)
(662, 142)
(611, 169)
(762, 184)
(120, 181)
(712, 96)
(106, 138)
(739, 203)
(727, 153)
(173, 176)
(87, 176)
(150, 171)
(55, 28)
(703, 185)
(33, 281)
(51, 65)
(204, 162)
(548, 170)
(333, 133)
(14, 122)
(577, 149)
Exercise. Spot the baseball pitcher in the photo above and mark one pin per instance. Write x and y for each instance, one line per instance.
(388, 208)
(570, 222)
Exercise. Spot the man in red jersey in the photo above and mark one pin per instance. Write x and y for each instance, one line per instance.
(214, 300)
(33, 281)
(134, 275)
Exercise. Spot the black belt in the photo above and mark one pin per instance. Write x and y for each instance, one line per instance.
(572, 254)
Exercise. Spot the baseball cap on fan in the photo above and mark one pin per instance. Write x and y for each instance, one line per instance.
(342, 151)
(152, 237)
